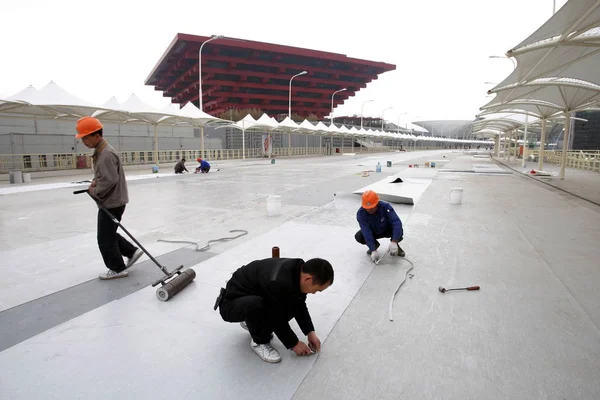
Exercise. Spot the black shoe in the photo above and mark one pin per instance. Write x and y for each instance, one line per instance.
(401, 252)
(369, 252)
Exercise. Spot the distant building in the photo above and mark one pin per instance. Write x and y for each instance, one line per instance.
(244, 74)
(586, 134)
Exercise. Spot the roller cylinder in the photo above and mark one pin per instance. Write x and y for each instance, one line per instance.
(275, 252)
(170, 289)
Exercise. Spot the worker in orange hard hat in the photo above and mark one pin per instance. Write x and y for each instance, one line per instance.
(204, 166)
(377, 219)
(109, 188)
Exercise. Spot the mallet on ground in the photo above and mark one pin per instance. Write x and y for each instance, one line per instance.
(444, 290)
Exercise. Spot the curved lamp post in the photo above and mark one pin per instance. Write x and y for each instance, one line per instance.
(337, 91)
(200, 88)
(290, 110)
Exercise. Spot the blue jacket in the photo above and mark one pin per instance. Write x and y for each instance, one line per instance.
(376, 224)
(204, 164)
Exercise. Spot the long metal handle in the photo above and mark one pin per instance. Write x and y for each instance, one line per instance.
(116, 221)
(466, 288)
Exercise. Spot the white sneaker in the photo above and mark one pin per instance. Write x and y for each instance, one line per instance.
(110, 274)
(266, 352)
(136, 256)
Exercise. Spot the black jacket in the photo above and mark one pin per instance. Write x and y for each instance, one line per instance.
(180, 167)
(277, 281)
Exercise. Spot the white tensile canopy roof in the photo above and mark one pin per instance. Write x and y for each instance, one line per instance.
(322, 128)
(557, 66)
(308, 127)
(287, 125)
(52, 101)
(266, 123)
(557, 73)
(248, 122)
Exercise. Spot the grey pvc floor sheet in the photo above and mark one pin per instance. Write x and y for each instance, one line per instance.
(531, 332)
(182, 343)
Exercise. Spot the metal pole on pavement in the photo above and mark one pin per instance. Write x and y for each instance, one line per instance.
(290, 111)
(200, 89)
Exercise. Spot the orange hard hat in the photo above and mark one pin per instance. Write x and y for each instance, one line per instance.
(87, 125)
(198, 159)
(369, 199)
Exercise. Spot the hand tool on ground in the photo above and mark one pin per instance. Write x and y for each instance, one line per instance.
(444, 290)
(174, 281)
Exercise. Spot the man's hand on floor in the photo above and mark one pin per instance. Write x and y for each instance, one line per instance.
(301, 349)
(314, 342)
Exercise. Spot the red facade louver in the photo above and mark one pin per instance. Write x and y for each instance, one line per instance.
(247, 74)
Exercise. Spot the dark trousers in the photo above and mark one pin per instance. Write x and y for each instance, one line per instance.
(360, 238)
(113, 246)
(261, 319)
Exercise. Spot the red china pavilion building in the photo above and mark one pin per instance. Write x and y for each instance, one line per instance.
(242, 74)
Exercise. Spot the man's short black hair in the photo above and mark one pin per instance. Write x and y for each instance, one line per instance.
(183, 159)
(321, 270)
(98, 132)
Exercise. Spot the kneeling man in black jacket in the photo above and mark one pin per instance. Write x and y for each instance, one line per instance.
(266, 294)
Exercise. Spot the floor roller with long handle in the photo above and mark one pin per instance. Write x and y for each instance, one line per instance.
(173, 282)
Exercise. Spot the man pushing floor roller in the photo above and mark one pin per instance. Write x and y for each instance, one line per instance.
(109, 190)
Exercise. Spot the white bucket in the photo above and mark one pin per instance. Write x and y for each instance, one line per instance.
(456, 195)
(26, 177)
(15, 176)
(273, 205)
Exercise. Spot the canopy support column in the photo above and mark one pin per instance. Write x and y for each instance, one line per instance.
(155, 145)
(525, 141)
(542, 146)
(563, 162)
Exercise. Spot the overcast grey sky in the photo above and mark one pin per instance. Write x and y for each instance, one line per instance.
(96, 50)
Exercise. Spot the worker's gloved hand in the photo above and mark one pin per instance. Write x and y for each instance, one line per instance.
(393, 248)
(375, 257)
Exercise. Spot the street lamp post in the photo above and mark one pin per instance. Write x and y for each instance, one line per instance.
(200, 88)
(509, 58)
(337, 91)
(382, 120)
(411, 128)
(290, 110)
(361, 112)
(398, 125)
(361, 118)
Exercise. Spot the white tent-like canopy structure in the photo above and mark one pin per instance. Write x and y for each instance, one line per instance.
(246, 123)
(557, 70)
(52, 101)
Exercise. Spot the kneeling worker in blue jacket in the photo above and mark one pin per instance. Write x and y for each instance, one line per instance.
(204, 166)
(377, 219)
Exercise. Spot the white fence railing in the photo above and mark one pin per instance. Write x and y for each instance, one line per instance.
(585, 160)
(65, 161)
